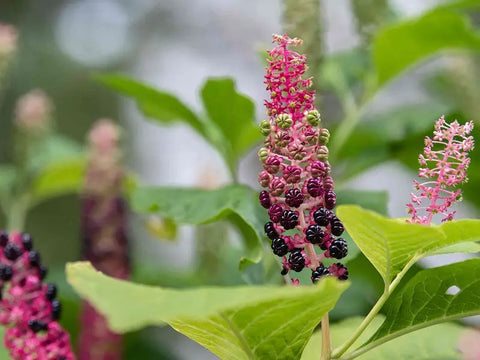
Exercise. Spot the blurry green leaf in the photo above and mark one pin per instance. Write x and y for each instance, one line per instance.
(161, 228)
(432, 296)
(55, 149)
(234, 323)
(390, 244)
(400, 46)
(371, 200)
(438, 342)
(7, 179)
(59, 178)
(3, 351)
(236, 203)
(233, 114)
(156, 104)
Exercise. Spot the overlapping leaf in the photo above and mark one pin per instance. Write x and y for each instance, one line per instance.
(234, 323)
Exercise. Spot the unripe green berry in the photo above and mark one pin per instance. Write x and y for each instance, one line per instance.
(263, 154)
(324, 136)
(265, 128)
(313, 118)
(284, 121)
(322, 153)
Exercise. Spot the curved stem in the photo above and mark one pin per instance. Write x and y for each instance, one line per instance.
(17, 214)
(326, 343)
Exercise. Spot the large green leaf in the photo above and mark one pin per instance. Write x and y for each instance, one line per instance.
(155, 104)
(437, 342)
(232, 322)
(55, 149)
(236, 203)
(390, 244)
(233, 114)
(433, 296)
(398, 47)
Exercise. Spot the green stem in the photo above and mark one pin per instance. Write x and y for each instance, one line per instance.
(326, 342)
(17, 214)
(389, 288)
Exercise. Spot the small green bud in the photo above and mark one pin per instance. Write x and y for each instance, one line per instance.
(265, 128)
(322, 153)
(284, 121)
(263, 154)
(324, 136)
(313, 118)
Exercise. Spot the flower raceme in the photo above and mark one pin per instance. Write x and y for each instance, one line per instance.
(444, 164)
(28, 307)
(299, 191)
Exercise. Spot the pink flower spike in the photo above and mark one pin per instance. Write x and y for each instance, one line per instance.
(445, 160)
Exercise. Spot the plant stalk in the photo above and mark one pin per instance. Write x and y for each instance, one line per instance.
(326, 342)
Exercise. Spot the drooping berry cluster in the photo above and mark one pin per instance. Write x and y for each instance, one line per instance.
(299, 191)
(28, 306)
(444, 164)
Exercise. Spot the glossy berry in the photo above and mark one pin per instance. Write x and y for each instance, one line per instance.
(296, 260)
(12, 251)
(6, 272)
(279, 247)
(3, 238)
(289, 219)
(56, 309)
(338, 248)
(51, 293)
(330, 199)
(284, 271)
(264, 198)
(34, 258)
(339, 270)
(314, 234)
(37, 325)
(315, 187)
(27, 242)
(43, 270)
(275, 212)
(294, 197)
(336, 227)
(322, 216)
(270, 231)
(320, 271)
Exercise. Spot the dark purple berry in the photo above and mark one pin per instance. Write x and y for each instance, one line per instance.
(34, 258)
(330, 199)
(294, 197)
(27, 242)
(338, 248)
(6, 272)
(51, 293)
(284, 271)
(270, 231)
(339, 270)
(43, 271)
(12, 251)
(279, 247)
(37, 325)
(56, 309)
(324, 245)
(314, 234)
(337, 227)
(3, 238)
(322, 216)
(315, 187)
(289, 219)
(264, 198)
(296, 260)
(275, 212)
(320, 271)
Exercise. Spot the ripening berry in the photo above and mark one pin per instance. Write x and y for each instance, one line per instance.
(270, 231)
(277, 186)
(6, 272)
(317, 169)
(289, 219)
(313, 117)
(292, 174)
(279, 247)
(272, 164)
(314, 234)
(339, 270)
(338, 248)
(264, 198)
(330, 199)
(322, 216)
(294, 197)
(296, 260)
(320, 271)
(275, 212)
(264, 178)
(315, 187)
(3, 238)
(12, 251)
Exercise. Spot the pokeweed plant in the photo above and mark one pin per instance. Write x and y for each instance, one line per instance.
(272, 322)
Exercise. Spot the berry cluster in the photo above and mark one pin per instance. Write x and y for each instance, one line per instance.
(28, 306)
(299, 191)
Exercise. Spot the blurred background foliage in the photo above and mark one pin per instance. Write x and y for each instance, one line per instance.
(384, 70)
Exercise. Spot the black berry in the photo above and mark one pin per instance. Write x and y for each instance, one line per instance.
(322, 216)
(27, 242)
(284, 271)
(338, 248)
(319, 272)
(294, 197)
(51, 293)
(37, 325)
(6, 272)
(289, 219)
(12, 251)
(314, 234)
(330, 199)
(315, 187)
(336, 227)
(3, 238)
(279, 247)
(270, 231)
(34, 258)
(56, 309)
(43, 271)
(264, 198)
(296, 260)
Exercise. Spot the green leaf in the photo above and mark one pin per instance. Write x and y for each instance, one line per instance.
(55, 149)
(233, 322)
(233, 114)
(390, 244)
(236, 203)
(437, 342)
(371, 200)
(155, 104)
(400, 46)
(7, 180)
(433, 296)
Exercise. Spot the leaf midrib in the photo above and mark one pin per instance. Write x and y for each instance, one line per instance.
(239, 335)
